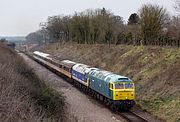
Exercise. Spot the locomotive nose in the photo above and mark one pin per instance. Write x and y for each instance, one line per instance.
(124, 95)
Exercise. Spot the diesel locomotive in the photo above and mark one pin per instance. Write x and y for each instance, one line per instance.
(113, 89)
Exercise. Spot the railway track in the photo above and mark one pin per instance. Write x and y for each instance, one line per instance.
(132, 117)
(129, 116)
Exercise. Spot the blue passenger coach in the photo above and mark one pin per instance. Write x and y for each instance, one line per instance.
(80, 73)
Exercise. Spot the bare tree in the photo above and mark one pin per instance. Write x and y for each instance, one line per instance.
(153, 19)
(177, 5)
(174, 31)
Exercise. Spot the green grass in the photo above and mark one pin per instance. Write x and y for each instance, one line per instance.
(172, 56)
(50, 100)
(162, 107)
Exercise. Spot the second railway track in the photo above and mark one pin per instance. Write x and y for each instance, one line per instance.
(132, 117)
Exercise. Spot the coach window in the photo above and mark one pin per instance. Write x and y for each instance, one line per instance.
(68, 69)
(53, 62)
(65, 68)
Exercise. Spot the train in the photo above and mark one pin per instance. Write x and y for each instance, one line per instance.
(114, 90)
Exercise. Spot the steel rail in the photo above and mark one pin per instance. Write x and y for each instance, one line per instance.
(132, 117)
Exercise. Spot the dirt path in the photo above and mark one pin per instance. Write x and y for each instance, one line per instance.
(79, 105)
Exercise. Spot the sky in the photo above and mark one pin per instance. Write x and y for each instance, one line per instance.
(21, 17)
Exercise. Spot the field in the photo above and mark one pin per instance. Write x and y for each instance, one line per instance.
(23, 96)
(155, 71)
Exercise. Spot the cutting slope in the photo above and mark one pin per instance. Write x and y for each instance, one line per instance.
(155, 71)
(23, 96)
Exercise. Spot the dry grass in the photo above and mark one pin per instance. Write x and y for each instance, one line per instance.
(23, 97)
(155, 71)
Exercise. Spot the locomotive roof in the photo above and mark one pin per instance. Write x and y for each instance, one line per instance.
(109, 76)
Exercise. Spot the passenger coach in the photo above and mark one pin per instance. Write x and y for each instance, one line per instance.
(80, 73)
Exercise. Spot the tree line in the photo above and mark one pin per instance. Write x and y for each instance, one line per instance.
(152, 25)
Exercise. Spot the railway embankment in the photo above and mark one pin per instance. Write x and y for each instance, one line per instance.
(23, 96)
(155, 71)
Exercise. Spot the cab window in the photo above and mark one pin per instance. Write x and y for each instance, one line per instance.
(129, 85)
(119, 86)
(110, 86)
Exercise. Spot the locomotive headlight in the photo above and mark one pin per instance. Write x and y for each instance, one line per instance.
(116, 93)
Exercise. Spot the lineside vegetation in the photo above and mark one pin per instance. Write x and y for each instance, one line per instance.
(151, 25)
(23, 96)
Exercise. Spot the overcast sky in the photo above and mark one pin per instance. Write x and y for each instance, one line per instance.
(20, 17)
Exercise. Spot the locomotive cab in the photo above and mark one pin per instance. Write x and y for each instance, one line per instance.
(123, 91)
